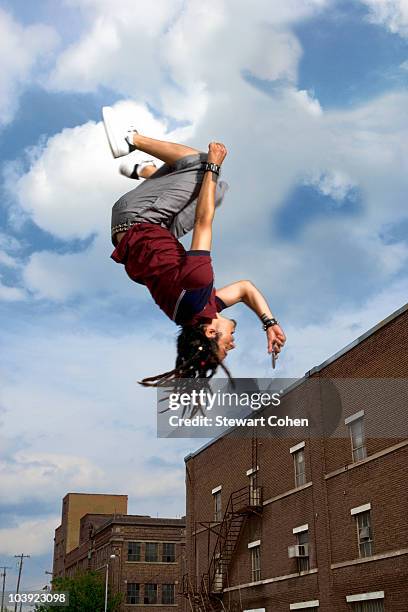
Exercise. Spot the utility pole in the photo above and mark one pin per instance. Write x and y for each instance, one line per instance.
(4, 568)
(21, 557)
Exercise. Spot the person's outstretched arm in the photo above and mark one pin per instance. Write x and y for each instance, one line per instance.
(204, 216)
(246, 292)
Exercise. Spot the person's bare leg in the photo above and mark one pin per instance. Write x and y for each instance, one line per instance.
(147, 171)
(169, 152)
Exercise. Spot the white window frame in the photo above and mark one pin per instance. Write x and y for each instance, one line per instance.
(362, 543)
(254, 490)
(217, 494)
(357, 512)
(300, 478)
(350, 422)
(255, 549)
(303, 563)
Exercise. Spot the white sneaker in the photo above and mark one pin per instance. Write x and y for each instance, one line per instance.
(131, 170)
(120, 140)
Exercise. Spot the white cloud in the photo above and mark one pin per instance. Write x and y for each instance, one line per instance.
(73, 180)
(334, 184)
(365, 147)
(181, 40)
(43, 473)
(161, 483)
(32, 536)
(391, 13)
(22, 48)
(11, 294)
(306, 101)
(118, 37)
(77, 383)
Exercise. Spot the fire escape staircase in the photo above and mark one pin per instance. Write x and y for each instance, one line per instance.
(241, 504)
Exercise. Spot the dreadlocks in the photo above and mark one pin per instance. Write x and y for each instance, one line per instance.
(197, 357)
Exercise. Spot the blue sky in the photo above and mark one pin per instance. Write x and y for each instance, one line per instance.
(310, 97)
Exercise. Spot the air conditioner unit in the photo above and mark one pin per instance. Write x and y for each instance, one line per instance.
(364, 533)
(299, 550)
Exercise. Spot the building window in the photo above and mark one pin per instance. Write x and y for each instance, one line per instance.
(133, 593)
(355, 423)
(368, 606)
(217, 506)
(358, 440)
(365, 536)
(300, 470)
(303, 544)
(256, 563)
(150, 594)
(168, 594)
(254, 490)
(152, 552)
(169, 553)
(134, 549)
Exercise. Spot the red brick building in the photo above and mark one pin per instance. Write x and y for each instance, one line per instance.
(311, 522)
(144, 556)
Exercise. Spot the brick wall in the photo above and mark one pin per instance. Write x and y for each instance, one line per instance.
(334, 485)
(103, 536)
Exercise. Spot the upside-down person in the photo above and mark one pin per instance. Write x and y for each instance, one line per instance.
(179, 197)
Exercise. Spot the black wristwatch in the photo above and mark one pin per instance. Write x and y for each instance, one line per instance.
(212, 168)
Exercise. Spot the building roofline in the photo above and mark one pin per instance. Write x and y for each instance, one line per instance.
(117, 515)
(96, 494)
(317, 368)
(147, 521)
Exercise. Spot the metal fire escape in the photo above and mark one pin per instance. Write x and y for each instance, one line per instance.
(241, 505)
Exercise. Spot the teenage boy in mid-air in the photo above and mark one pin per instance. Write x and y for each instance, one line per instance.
(146, 223)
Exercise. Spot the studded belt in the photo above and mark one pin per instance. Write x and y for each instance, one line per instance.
(122, 227)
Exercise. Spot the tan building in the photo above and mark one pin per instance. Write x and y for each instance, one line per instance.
(308, 522)
(74, 507)
(144, 556)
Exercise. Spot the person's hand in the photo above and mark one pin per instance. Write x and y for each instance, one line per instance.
(276, 339)
(216, 153)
